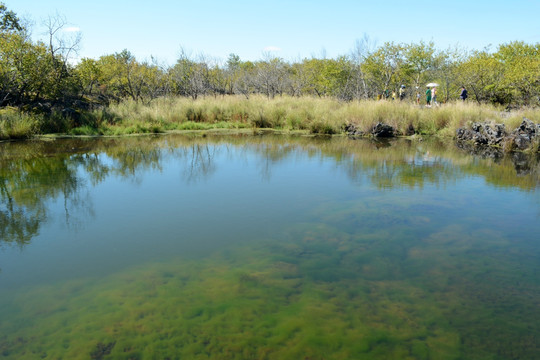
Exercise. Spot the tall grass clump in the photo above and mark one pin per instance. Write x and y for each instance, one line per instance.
(515, 117)
(173, 113)
(448, 118)
(15, 124)
(445, 119)
(366, 114)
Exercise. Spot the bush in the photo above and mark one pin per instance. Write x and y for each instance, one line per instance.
(321, 127)
(84, 130)
(15, 124)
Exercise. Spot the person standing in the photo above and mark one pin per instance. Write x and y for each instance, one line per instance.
(434, 96)
(401, 92)
(463, 95)
(428, 97)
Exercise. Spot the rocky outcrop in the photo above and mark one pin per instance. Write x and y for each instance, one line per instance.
(380, 130)
(353, 130)
(482, 134)
(383, 130)
(525, 137)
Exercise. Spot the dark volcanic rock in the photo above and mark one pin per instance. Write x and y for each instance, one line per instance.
(410, 130)
(383, 130)
(523, 137)
(353, 130)
(482, 134)
(519, 141)
(486, 134)
(527, 127)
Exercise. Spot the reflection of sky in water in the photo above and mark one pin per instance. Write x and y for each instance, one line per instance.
(394, 225)
(196, 198)
(164, 213)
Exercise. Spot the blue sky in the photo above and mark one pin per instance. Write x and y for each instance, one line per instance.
(289, 29)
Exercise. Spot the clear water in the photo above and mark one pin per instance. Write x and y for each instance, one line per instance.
(266, 248)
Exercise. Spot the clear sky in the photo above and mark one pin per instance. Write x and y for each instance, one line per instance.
(289, 29)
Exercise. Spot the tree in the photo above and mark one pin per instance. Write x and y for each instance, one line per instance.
(298, 79)
(483, 74)
(61, 48)
(189, 77)
(326, 77)
(245, 83)
(32, 74)
(239, 76)
(521, 63)
(14, 48)
(123, 77)
(25, 70)
(89, 74)
(357, 84)
(447, 71)
(232, 72)
(420, 63)
(270, 76)
(383, 68)
(8, 20)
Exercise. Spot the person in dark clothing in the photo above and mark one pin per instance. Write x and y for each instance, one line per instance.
(463, 94)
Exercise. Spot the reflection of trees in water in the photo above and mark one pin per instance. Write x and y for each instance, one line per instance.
(34, 173)
(271, 155)
(411, 174)
(200, 161)
(94, 166)
(17, 225)
(416, 164)
(26, 184)
(131, 162)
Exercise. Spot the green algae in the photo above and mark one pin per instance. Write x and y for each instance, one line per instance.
(270, 301)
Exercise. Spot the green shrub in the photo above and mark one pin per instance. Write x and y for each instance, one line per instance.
(321, 127)
(15, 124)
(84, 130)
(261, 121)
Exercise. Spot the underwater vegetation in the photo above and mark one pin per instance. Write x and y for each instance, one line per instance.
(321, 293)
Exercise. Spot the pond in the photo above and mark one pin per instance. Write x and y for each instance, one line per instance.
(267, 247)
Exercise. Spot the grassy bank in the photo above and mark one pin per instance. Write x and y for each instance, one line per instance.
(314, 115)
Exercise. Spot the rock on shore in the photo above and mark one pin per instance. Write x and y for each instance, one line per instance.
(525, 137)
(380, 130)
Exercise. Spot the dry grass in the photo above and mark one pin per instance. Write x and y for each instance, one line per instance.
(318, 115)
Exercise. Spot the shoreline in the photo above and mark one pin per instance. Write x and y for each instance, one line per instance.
(306, 116)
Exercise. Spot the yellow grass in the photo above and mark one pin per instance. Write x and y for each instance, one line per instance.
(314, 114)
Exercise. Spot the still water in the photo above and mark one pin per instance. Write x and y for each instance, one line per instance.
(263, 247)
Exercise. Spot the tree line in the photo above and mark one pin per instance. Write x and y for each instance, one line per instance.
(36, 73)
